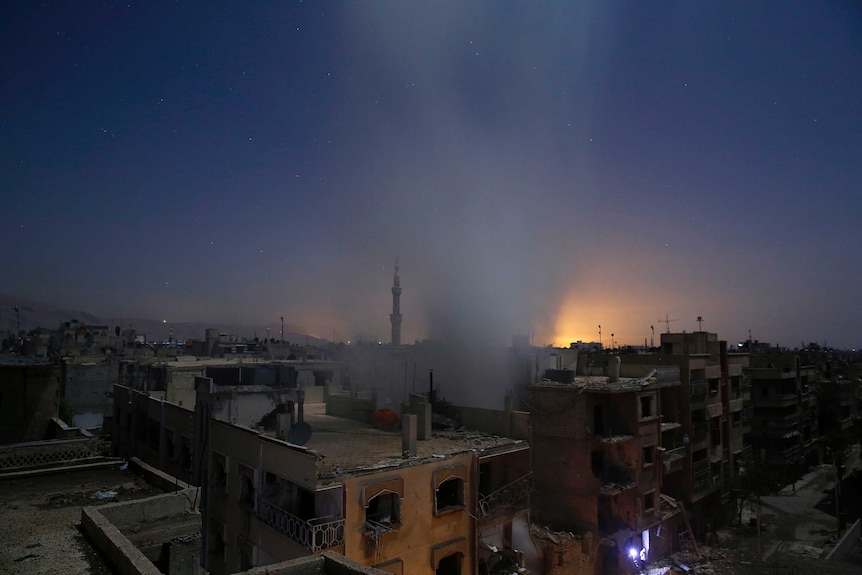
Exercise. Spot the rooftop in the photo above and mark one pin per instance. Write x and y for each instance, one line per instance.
(348, 447)
(603, 384)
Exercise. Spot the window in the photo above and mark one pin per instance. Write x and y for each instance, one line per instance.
(649, 501)
(598, 420)
(382, 502)
(384, 511)
(449, 488)
(646, 406)
(246, 485)
(648, 455)
(450, 565)
(218, 472)
(448, 558)
(449, 495)
(186, 453)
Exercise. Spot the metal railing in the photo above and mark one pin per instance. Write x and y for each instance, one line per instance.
(316, 534)
(507, 496)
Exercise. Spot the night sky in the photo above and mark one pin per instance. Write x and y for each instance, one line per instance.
(538, 168)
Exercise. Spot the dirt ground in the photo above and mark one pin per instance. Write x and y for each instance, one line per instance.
(39, 518)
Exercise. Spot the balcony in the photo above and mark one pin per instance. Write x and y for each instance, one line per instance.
(673, 459)
(699, 387)
(315, 535)
(781, 422)
(510, 498)
(777, 400)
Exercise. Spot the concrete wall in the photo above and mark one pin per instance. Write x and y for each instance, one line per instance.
(514, 424)
(420, 530)
(357, 409)
(156, 431)
(102, 526)
(29, 398)
(88, 387)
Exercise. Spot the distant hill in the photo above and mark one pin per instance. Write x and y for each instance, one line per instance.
(35, 314)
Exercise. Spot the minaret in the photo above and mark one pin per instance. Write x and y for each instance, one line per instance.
(395, 316)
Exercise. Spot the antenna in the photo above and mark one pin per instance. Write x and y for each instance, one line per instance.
(699, 322)
(666, 321)
(651, 335)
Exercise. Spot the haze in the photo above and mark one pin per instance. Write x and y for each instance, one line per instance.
(537, 169)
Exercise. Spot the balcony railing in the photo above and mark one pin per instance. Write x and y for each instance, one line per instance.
(512, 496)
(675, 453)
(316, 534)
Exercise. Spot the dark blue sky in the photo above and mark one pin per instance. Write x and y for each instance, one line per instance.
(536, 167)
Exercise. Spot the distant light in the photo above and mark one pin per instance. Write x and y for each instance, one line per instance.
(633, 553)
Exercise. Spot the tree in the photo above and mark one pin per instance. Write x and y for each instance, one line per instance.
(755, 479)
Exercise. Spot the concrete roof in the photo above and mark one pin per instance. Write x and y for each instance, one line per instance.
(602, 384)
(351, 447)
(19, 360)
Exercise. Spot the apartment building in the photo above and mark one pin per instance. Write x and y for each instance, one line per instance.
(281, 479)
(381, 498)
(786, 430)
(712, 408)
(599, 460)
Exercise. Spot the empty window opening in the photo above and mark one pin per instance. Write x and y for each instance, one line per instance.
(648, 453)
(649, 501)
(597, 463)
(449, 565)
(598, 420)
(646, 406)
(186, 453)
(218, 472)
(246, 486)
(450, 494)
(384, 510)
(485, 486)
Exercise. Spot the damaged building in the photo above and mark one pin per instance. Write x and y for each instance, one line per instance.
(599, 464)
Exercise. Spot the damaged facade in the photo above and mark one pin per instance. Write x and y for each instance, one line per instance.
(599, 464)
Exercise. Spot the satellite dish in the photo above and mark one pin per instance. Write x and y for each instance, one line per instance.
(299, 433)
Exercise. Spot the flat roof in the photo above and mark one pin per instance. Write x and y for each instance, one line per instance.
(602, 383)
(351, 447)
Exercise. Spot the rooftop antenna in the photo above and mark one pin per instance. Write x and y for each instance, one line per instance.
(699, 322)
(600, 336)
(666, 321)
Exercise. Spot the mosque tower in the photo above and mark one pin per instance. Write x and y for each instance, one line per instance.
(395, 316)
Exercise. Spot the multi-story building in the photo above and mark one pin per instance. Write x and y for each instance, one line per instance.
(598, 457)
(710, 406)
(786, 429)
(281, 479)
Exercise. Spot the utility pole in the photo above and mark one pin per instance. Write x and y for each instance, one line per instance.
(651, 336)
(282, 330)
(600, 336)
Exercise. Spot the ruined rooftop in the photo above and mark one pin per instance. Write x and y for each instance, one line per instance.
(347, 447)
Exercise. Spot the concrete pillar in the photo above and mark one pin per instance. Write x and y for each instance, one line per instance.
(424, 423)
(408, 435)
